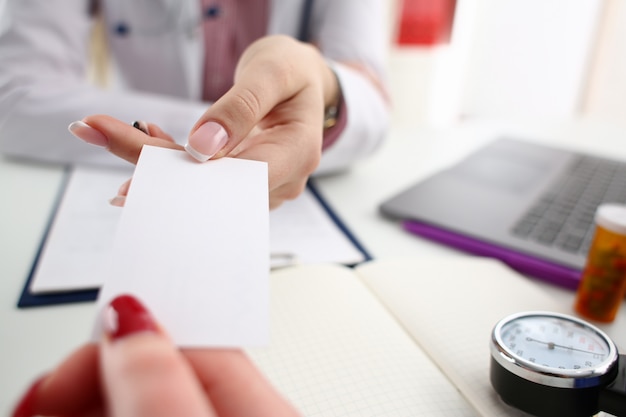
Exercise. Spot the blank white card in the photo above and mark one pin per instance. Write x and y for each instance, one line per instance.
(193, 245)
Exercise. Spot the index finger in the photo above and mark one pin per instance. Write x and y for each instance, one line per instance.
(235, 386)
(124, 140)
(143, 373)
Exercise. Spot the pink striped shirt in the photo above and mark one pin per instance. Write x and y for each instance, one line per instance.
(230, 26)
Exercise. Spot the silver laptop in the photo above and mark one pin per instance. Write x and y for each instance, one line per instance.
(530, 205)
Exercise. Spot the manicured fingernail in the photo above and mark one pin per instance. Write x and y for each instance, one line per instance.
(123, 190)
(87, 133)
(25, 408)
(206, 141)
(125, 315)
(118, 201)
(141, 125)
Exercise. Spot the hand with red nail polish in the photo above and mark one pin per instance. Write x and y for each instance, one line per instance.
(136, 371)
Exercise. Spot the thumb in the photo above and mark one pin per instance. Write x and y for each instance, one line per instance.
(259, 87)
(143, 372)
(230, 119)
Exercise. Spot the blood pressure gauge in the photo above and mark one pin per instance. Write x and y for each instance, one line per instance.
(550, 364)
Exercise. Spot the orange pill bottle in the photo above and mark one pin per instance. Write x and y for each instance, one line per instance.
(603, 282)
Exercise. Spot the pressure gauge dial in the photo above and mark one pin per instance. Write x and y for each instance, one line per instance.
(551, 364)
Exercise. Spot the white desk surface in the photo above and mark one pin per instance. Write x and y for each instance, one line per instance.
(34, 340)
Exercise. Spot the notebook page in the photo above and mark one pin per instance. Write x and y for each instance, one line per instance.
(335, 351)
(451, 307)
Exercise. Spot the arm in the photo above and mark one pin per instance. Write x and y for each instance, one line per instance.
(351, 36)
(44, 50)
(273, 113)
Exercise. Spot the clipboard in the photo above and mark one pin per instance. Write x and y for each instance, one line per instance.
(29, 298)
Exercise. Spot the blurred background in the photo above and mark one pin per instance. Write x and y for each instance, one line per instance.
(522, 59)
(455, 59)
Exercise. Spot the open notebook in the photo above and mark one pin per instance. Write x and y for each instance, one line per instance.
(394, 337)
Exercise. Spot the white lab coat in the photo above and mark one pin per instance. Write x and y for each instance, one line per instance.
(44, 62)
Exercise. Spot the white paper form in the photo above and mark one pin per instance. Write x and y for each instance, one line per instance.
(192, 245)
(302, 228)
(81, 235)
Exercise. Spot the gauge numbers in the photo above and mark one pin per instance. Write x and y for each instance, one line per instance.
(555, 342)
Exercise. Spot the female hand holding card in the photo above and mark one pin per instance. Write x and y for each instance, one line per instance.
(137, 371)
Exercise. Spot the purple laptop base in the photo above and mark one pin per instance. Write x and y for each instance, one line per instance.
(526, 264)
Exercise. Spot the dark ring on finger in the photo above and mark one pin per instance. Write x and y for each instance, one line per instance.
(141, 125)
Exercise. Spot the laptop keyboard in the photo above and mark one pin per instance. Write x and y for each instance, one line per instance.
(563, 217)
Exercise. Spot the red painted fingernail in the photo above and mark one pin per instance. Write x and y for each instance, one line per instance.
(125, 315)
(25, 408)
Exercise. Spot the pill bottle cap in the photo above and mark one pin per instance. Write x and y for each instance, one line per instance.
(612, 217)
